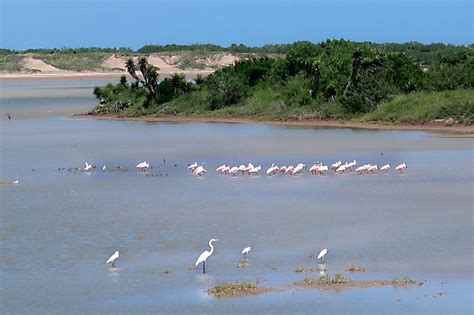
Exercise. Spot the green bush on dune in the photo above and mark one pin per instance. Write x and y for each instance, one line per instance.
(334, 79)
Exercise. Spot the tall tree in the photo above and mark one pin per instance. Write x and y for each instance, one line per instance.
(356, 60)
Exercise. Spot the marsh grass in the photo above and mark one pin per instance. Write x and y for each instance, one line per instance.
(355, 268)
(234, 289)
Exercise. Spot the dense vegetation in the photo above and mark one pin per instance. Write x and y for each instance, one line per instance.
(335, 79)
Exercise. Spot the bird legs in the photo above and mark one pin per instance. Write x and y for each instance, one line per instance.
(204, 266)
(113, 264)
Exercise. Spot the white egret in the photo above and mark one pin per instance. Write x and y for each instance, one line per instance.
(103, 168)
(88, 167)
(246, 251)
(113, 258)
(205, 255)
(322, 254)
(16, 182)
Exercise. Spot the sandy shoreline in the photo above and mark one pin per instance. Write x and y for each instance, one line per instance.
(66, 75)
(432, 127)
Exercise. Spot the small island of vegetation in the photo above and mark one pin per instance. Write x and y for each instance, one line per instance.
(331, 80)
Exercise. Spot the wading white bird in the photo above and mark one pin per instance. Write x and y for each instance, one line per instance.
(246, 251)
(322, 254)
(103, 168)
(88, 167)
(341, 169)
(113, 258)
(272, 169)
(16, 182)
(255, 170)
(219, 169)
(233, 171)
(336, 165)
(143, 165)
(322, 169)
(199, 170)
(314, 169)
(385, 168)
(298, 169)
(205, 255)
(401, 167)
(193, 166)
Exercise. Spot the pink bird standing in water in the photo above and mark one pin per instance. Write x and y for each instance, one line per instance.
(401, 167)
(143, 166)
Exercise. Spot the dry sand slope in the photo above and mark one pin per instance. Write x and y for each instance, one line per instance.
(114, 66)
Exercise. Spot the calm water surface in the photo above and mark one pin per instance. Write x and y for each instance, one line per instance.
(58, 228)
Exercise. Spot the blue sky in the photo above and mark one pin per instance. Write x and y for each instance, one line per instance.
(134, 23)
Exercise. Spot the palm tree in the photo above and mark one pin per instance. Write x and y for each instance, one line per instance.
(314, 69)
(143, 63)
(130, 65)
(356, 60)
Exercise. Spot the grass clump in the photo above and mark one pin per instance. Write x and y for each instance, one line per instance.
(299, 269)
(326, 280)
(355, 268)
(233, 289)
(405, 281)
(426, 107)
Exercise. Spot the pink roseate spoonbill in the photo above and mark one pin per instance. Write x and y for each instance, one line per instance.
(113, 258)
(193, 166)
(205, 255)
(385, 168)
(255, 170)
(322, 169)
(362, 168)
(246, 251)
(219, 169)
(372, 169)
(314, 169)
(322, 254)
(341, 169)
(233, 170)
(242, 169)
(272, 169)
(143, 165)
(401, 167)
(88, 167)
(298, 169)
(289, 169)
(350, 165)
(336, 165)
(249, 167)
(283, 169)
(225, 170)
(199, 170)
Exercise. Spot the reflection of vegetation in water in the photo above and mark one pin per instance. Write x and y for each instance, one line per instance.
(335, 79)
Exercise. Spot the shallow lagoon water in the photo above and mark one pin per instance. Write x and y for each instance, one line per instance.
(58, 228)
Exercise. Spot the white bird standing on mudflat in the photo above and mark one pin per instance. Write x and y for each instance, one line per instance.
(322, 254)
(205, 255)
(113, 258)
(246, 251)
(103, 168)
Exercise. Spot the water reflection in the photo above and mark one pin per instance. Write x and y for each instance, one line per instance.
(204, 282)
(114, 274)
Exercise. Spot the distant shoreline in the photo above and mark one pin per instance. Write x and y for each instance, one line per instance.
(432, 127)
(70, 75)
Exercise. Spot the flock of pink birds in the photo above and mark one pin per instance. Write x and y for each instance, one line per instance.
(317, 169)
